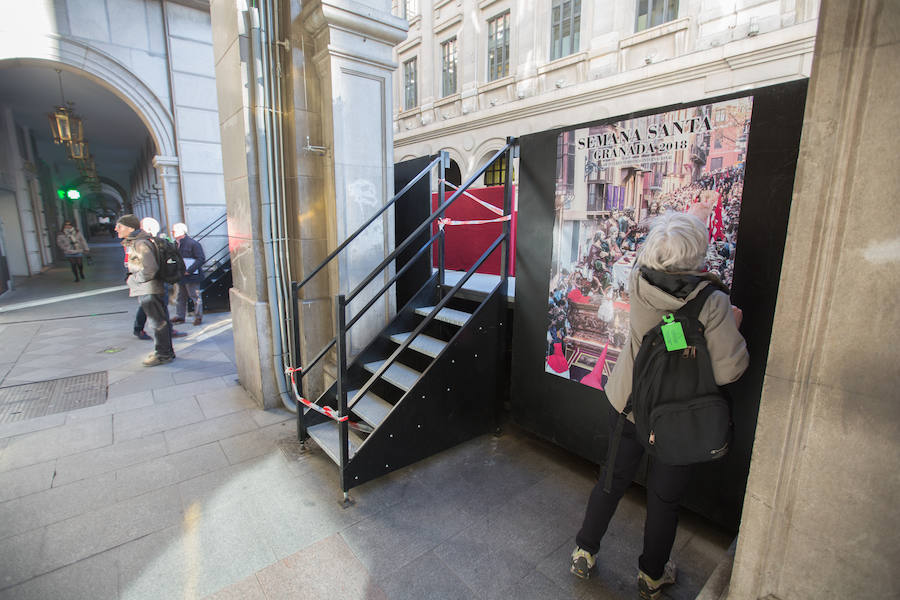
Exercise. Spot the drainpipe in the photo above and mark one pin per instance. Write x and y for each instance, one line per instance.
(268, 157)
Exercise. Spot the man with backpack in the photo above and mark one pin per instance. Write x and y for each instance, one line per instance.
(144, 284)
(666, 278)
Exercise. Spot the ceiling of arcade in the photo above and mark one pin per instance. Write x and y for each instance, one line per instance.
(113, 130)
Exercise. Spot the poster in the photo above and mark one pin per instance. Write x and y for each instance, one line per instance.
(612, 179)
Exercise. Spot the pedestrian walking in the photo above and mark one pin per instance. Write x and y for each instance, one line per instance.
(189, 286)
(74, 247)
(668, 274)
(143, 284)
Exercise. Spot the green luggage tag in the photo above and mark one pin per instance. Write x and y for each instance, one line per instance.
(673, 334)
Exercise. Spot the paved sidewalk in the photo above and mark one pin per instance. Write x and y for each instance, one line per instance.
(179, 487)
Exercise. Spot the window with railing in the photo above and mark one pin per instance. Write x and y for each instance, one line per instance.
(410, 94)
(565, 27)
(498, 47)
(448, 67)
(651, 13)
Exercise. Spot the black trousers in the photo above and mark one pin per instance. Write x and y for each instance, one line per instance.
(666, 485)
(158, 314)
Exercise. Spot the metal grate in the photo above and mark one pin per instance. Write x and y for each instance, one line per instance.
(31, 400)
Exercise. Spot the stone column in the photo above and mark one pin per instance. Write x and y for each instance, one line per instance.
(352, 55)
(171, 209)
(820, 515)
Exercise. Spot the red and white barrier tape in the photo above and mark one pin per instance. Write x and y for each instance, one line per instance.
(448, 221)
(490, 207)
(325, 410)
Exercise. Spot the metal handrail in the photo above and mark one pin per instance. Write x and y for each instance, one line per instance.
(405, 268)
(408, 240)
(371, 220)
(211, 227)
(428, 319)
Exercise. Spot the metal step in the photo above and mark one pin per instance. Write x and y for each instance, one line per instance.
(425, 344)
(327, 436)
(447, 315)
(370, 407)
(399, 375)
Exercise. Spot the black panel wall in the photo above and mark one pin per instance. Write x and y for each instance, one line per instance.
(411, 210)
(574, 415)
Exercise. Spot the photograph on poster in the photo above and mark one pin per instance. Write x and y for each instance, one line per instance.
(612, 179)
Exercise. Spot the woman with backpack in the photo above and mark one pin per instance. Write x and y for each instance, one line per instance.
(668, 273)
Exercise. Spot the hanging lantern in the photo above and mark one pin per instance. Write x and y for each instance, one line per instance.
(60, 125)
(77, 151)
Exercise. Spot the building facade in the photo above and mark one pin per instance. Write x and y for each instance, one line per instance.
(473, 72)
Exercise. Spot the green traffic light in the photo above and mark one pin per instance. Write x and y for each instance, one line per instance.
(73, 194)
(61, 194)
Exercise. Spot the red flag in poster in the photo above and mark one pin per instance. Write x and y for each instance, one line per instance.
(716, 226)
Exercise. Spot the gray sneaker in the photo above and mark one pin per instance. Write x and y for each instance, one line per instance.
(155, 359)
(583, 562)
(651, 589)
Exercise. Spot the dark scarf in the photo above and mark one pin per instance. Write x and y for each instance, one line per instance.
(679, 284)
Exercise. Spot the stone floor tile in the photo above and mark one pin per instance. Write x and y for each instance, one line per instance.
(15, 428)
(257, 442)
(158, 417)
(537, 587)
(186, 390)
(20, 558)
(109, 526)
(271, 416)
(148, 378)
(55, 504)
(27, 480)
(502, 546)
(94, 578)
(216, 369)
(169, 470)
(111, 406)
(109, 458)
(390, 539)
(246, 589)
(223, 401)
(323, 571)
(210, 430)
(41, 446)
(204, 553)
(425, 577)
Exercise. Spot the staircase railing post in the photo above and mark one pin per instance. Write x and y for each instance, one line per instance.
(442, 170)
(302, 435)
(340, 319)
(511, 153)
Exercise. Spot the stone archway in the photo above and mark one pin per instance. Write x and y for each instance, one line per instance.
(87, 61)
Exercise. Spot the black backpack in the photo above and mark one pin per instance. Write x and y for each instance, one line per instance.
(681, 416)
(171, 265)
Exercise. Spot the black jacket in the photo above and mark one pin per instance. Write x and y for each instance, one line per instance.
(188, 247)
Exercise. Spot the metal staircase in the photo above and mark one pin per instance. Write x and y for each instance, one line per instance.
(216, 272)
(432, 378)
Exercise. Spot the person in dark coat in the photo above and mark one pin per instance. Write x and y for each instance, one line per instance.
(143, 285)
(189, 286)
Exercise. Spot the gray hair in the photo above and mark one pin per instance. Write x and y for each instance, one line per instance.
(676, 242)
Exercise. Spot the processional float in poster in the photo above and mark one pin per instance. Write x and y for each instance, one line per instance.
(611, 181)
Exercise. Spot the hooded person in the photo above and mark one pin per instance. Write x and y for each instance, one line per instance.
(668, 274)
(74, 247)
(143, 285)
